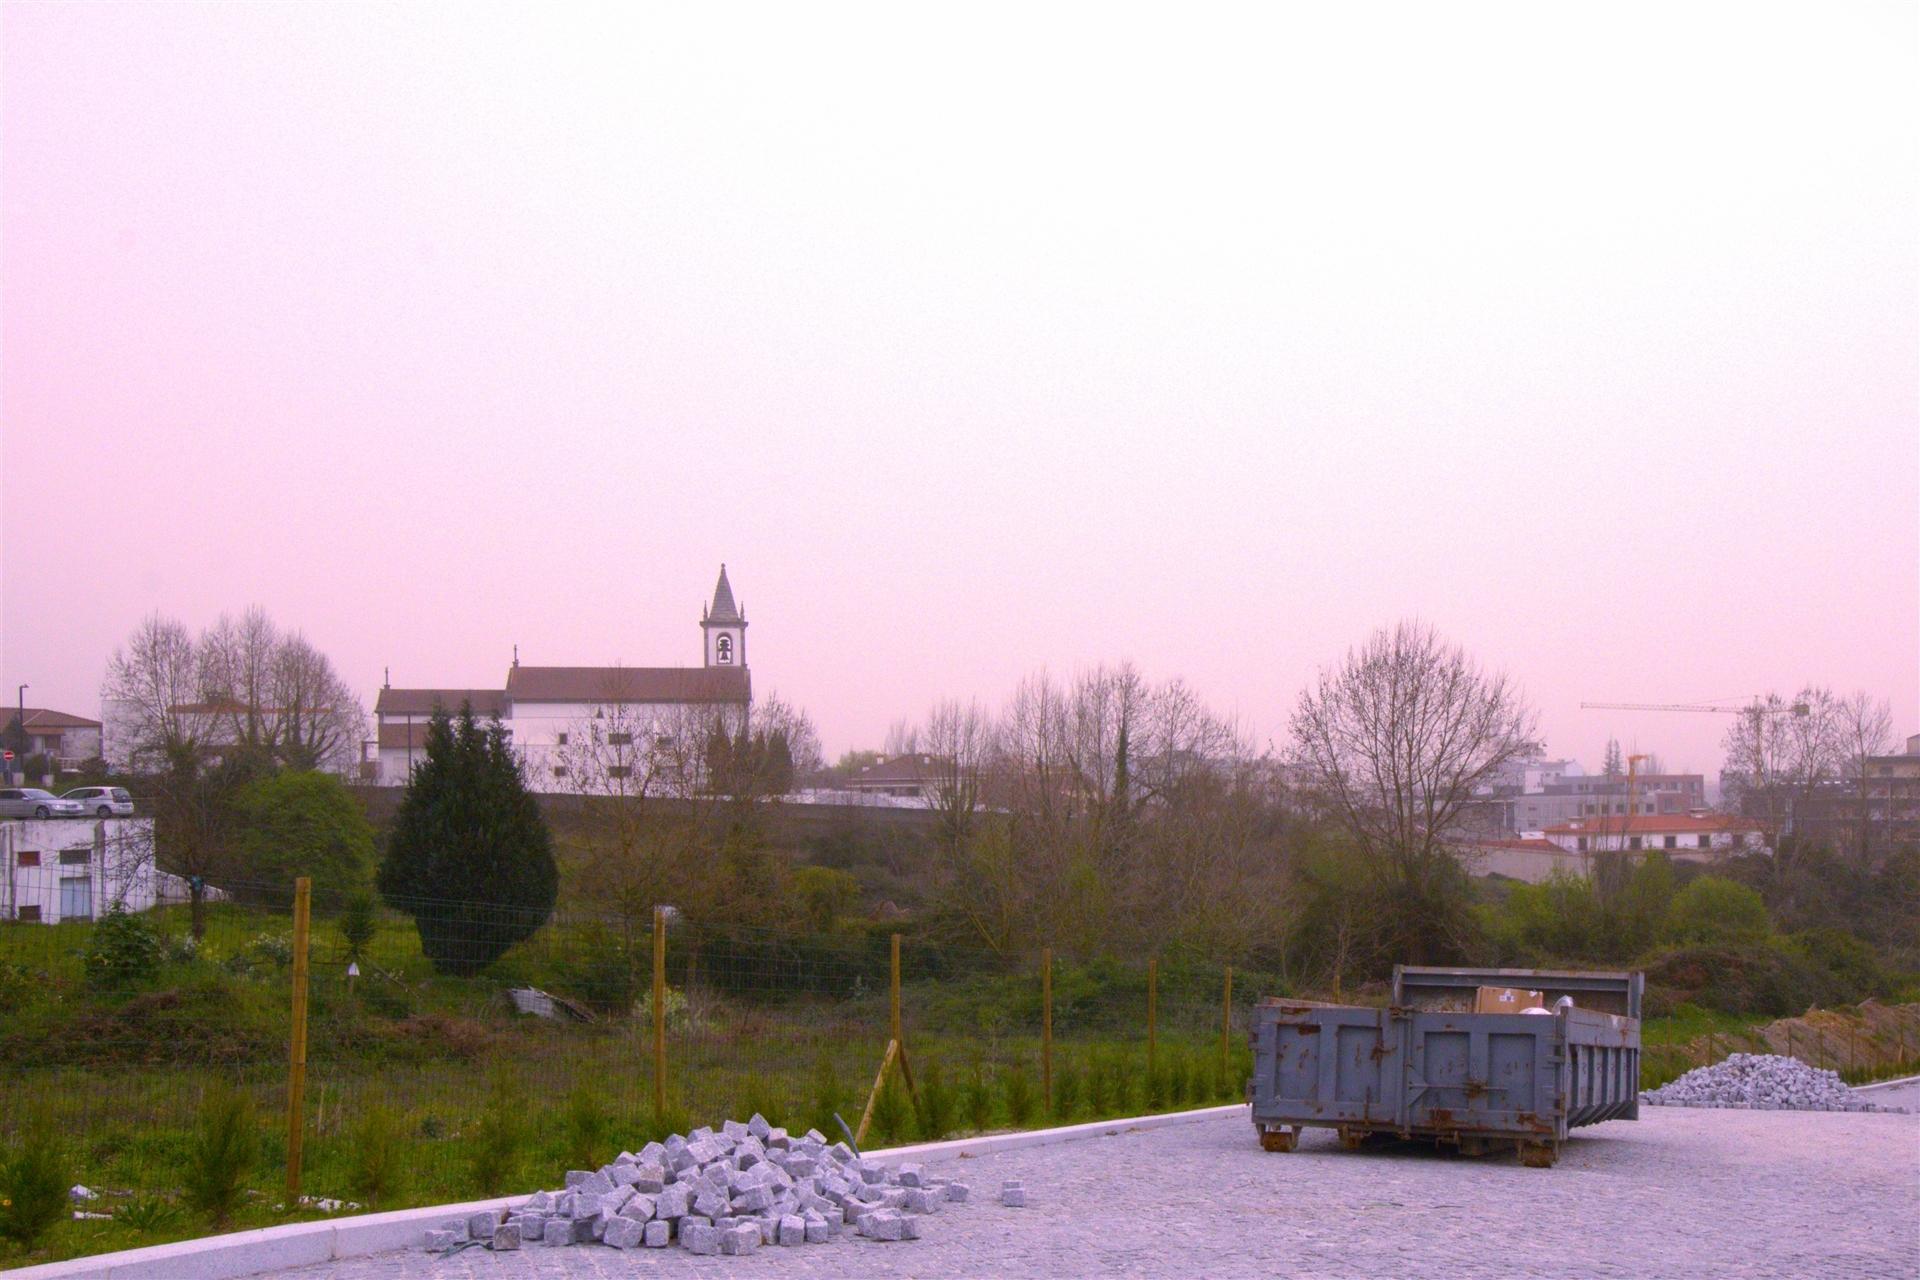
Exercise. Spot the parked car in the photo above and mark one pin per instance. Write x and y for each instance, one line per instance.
(102, 802)
(32, 802)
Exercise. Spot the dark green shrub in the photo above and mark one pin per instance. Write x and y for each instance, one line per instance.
(358, 923)
(222, 1153)
(1123, 1083)
(302, 822)
(1855, 966)
(977, 1099)
(34, 1178)
(1158, 1082)
(1754, 978)
(1066, 1092)
(1018, 1091)
(123, 952)
(936, 1104)
(1099, 1089)
(589, 1127)
(377, 1172)
(829, 1097)
(891, 1112)
(469, 856)
(1179, 1078)
(1716, 910)
(494, 1145)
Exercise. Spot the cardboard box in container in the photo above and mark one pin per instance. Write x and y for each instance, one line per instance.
(1506, 1000)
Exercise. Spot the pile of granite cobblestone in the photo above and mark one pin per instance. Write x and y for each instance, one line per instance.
(1760, 1082)
(725, 1192)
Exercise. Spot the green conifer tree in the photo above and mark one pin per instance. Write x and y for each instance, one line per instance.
(469, 857)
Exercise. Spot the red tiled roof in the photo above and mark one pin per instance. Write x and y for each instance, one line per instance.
(1660, 824)
(900, 770)
(1532, 846)
(421, 702)
(42, 718)
(628, 684)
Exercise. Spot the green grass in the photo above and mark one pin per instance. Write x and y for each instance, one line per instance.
(125, 1074)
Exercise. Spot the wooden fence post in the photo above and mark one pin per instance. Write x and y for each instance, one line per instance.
(1046, 1028)
(297, 1046)
(1153, 1015)
(1226, 1029)
(659, 1013)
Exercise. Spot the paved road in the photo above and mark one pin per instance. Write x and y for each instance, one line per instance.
(1681, 1193)
(1905, 1093)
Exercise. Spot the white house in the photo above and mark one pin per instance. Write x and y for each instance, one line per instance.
(552, 713)
(58, 869)
(1685, 836)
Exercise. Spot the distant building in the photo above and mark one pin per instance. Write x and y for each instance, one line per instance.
(66, 869)
(71, 740)
(912, 775)
(627, 709)
(1521, 858)
(1685, 837)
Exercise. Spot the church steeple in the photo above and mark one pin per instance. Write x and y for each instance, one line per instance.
(723, 626)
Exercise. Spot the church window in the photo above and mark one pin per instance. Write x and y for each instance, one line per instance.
(724, 648)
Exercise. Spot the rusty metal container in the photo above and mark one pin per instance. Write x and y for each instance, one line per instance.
(1429, 1067)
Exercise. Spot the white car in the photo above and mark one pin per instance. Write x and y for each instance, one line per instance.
(32, 802)
(102, 802)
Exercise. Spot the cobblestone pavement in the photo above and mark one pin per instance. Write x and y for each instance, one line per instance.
(1682, 1193)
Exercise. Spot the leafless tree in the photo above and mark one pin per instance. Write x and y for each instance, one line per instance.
(1397, 738)
(1865, 731)
(1783, 751)
(151, 686)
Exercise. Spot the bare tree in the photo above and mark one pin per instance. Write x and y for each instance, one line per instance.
(151, 686)
(1396, 739)
(1865, 730)
(316, 719)
(1782, 752)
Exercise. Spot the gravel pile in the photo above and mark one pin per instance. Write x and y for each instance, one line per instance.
(1760, 1081)
(728, 1192)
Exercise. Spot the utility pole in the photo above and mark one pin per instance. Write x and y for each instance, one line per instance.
(20, 731)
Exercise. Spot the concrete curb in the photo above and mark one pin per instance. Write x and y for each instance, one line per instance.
(1886, 1084)
(298, 1244)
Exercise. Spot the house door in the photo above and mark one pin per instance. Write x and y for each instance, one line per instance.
(76, 898)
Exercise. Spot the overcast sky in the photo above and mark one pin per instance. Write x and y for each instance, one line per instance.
(973, 342)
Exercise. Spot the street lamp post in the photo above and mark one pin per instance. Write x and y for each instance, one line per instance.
(20, 731)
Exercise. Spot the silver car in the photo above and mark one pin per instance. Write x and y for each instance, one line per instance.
(32, 802)
(102, 802)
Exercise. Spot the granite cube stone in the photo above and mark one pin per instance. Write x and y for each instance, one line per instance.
(793, 1230)
(480, 1225)
(577, 1176)
(921, 1200)
(741, 1238)
(817, 1229)
(532, 1226)
(913, 1175)
(957, 1192)
(699, 1238)
(437, 1240)
(759, 1127)
(639, 1208)
(658, 1233)
(506, 1237)
(624, 1233)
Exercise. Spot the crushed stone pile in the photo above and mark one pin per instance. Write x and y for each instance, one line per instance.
(726, 1192)
(1760, 1081)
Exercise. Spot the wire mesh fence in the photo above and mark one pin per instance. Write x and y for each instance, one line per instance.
(490, 1050)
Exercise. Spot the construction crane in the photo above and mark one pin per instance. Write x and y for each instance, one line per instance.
(1759, 711)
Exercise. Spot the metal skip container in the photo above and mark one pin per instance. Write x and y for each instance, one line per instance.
(1428, 1066)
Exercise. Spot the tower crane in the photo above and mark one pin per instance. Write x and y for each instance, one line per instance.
(1759, 711)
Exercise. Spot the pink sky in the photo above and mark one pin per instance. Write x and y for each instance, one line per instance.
(972, 343)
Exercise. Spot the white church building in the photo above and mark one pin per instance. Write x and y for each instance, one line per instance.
(582, 728)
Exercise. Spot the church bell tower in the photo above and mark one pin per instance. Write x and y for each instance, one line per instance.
(723, 627)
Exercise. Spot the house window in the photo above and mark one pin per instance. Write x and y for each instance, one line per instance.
(1583, 844)
(75, 857)
(723, 648)
(619, 771)
(559, 771)
(1706, 841)
(29, 857)
(1673, 842)
(1633, 842)
(560, 739)
(30, 915)
(620, 739)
